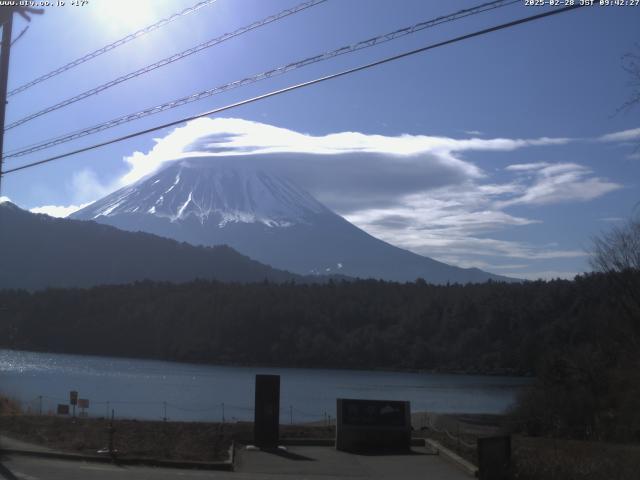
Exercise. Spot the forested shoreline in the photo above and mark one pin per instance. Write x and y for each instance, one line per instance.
(492, 328)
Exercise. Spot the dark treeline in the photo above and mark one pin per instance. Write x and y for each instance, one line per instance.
(491, 327)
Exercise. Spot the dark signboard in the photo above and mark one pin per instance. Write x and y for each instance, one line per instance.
(63, 409)
(494, 458)
(73, 397)
(267, 411)
(83, 402)
(373, 413)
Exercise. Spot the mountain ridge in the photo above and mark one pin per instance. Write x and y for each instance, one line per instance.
(38, 251)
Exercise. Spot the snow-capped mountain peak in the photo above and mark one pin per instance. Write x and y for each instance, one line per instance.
(211, 191)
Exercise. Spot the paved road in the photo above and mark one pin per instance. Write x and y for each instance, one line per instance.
(329, 464)
(34, 468)
(13, 444)
(297, 462)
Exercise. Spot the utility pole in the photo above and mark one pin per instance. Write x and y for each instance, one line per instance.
(6, 18)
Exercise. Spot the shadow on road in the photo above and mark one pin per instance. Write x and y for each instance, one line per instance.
(390, 453)
(6, 473)
(288, 455)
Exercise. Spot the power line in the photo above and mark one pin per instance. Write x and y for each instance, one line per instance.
(301, 85)
(111, 46)
(20, 35)
(167, 61)
(260, 76)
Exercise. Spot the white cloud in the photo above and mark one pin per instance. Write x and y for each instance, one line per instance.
(346, 170)
(623, 136)
(558, 182)
(451, 224)
(509, 266)
(482, 264)
(467, 209)
(454, 245)
(243, 137)
(226, 137)
(526, 167)
(59, 211)
(86, 186)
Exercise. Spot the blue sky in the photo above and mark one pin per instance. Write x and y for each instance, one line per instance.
(503, 152)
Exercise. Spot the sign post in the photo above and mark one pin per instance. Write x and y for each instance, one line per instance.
(63, 409)
(73, 400)
(83, 403)
(266, 425)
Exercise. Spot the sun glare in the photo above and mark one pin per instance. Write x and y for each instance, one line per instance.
(120, 16)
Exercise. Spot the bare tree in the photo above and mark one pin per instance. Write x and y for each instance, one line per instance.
(617, 254)
(619, 249)
(631, 64)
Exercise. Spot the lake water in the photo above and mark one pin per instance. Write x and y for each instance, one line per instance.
(145, 388)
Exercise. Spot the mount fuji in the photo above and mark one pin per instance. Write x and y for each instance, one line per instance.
(264, 216)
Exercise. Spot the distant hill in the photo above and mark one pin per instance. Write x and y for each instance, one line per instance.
(38, 251)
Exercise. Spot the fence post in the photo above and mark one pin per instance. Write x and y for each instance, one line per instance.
(111, 431)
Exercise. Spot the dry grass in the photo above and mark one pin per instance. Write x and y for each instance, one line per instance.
(170, 440)
(533, 458)
(195, 441)
(540, 458)
(9, 406)
(546, 459)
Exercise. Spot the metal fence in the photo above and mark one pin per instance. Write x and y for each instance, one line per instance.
(215, 411)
